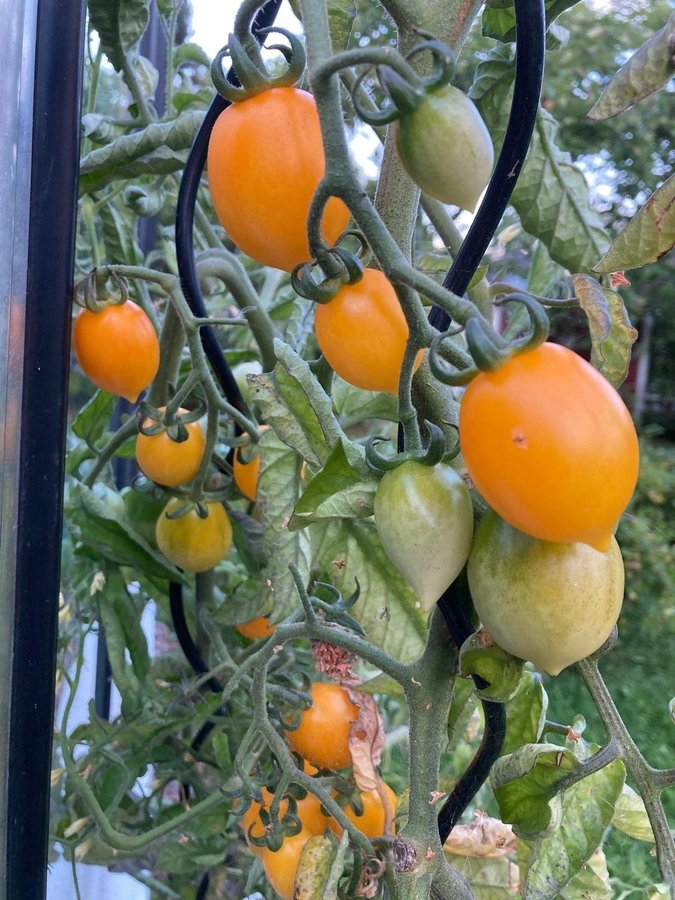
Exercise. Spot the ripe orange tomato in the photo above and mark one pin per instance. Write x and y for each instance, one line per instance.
(275, 138)
(322, 737)
(117, 348)
(257, 628)
(308, 811)
(193, 543)
(550, 445)
(169, 462)
(362, 333)
(281, 865)
(246, 474)
(372, 822)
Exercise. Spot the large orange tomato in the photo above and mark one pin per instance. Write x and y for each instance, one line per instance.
(322, 737)
(372, 821)
(117, 348)
(170, 462)
(362, 333)
(265, 160)
(550, 445)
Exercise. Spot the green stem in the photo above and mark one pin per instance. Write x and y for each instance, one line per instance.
(172, 341)
(123, 433)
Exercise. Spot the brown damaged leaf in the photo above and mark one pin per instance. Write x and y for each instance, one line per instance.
(314, 868)
(612, 335)
(647, 237)
(648, 69)
(483, 838)
(366, 741)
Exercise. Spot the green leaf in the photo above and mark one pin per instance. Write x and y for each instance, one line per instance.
(648, 236)
(591, 883)
(351, 549)
(119, 237)
(340, 490)
(630, 816)
(353, 405)
(158, 149)
(463, 704)
(501, 670)
(92, 421)
(526, 781)
(612, 335)
(544, 275)
(120, 25)
(341, 15)
(297, 407)
(382, 684)
(551, 195)
(647, 70)
(499, 18)
(221, 750)
(105, 530)
(587, 809)
(525, 712)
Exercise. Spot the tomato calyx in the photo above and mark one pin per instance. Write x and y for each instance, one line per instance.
(433, 451)
(488, 350)
(321, 279)
(249, 68)
(172, 419)
(92, 291)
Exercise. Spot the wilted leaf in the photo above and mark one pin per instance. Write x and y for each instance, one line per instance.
(648, 69)
(314, 868)
(612, 335)
(647, 237)
(525, 712)
(484, 837)
(366, 741)
(630, 815)
(351, 549)
(587, 809)
(551, 195)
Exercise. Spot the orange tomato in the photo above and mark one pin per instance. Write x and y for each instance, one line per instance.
(117, 348)
(362, 333)
(265, 160)
(257, 628)
(322, 737)
(550, 445)
(169, 462)
(372, 821)
(308, 811)
(193, 543)
(281, 865)
(245, 474)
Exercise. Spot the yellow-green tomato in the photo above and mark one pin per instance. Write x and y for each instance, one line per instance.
(550, 603)
(424, 518)
(446, 148)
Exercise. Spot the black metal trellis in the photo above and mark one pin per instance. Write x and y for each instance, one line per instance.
(58, 38)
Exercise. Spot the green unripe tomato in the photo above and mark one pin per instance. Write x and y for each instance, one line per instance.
(446, 148)
(550, 603)
(424, 518)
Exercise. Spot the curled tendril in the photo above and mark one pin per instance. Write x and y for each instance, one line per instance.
(538, 329)
(335, 609)
(432, 452)
(459, 370)
(443, 63)
(338, 266)
(92, 291)
(252, 76)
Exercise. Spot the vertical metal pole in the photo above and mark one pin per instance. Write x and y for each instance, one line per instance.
(39, 122)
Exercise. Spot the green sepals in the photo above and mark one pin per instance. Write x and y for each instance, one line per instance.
(459, 370)
(405, 97)
(336, 266)
(250, 70)
(499, 669)
(431, 454)
(92, 291)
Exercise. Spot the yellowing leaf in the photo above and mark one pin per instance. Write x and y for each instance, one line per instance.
(630, 816)
(612, 335)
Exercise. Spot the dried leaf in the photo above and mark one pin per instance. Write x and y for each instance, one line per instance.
(612, 335)
(485, 837)
(366, 741)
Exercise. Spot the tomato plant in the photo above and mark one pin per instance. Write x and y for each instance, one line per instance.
(550, 445)
(551, 603)
(281, 865)
(322, 737)
(275, 137)
(117, 348)
(362, 333)
(193, 543)
(257, 628)
(446, 118)
(373, 818)
(424, 518)
(167, 461)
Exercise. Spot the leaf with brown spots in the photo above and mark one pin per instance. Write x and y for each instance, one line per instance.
(366, 740)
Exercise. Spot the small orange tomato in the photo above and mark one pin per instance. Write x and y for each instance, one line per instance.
(117, 348)
(308, 811)
(550, 445)
(257, 628)
(281, 865)
(193, 543)
(322, 737)
(246, 474)
(362, 333)
(372, 821)
(275, 137)
(169, 462)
